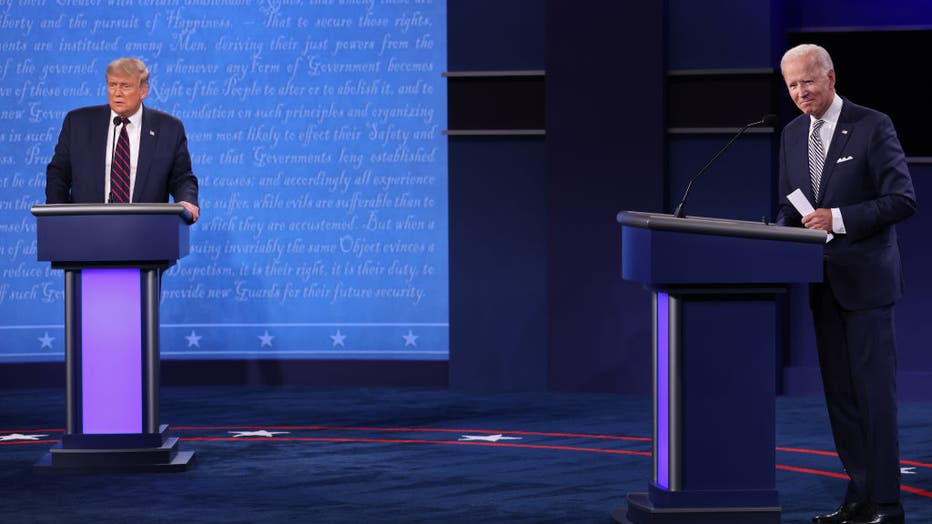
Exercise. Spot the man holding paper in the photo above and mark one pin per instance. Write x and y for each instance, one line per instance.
(847, 162)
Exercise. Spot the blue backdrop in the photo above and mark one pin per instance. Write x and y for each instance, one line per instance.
(315, 130)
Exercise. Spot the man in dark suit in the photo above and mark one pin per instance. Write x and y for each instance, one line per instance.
(147, 163)
(849, 163)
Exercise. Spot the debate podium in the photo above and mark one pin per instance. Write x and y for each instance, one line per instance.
(714, 286)
(112, 256)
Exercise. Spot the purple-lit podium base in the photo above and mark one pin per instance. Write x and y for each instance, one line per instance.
(112, 256)
(716, 286)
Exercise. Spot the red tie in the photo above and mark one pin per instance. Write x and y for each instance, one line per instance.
(119, 171)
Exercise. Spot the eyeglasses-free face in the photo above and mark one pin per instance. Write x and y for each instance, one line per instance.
(125, 94)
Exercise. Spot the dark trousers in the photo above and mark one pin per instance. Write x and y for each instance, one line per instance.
(857, 358)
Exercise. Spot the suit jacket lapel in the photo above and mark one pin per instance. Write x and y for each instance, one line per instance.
(799, 155)
(98, 142)
(148, 138)
(839, 140)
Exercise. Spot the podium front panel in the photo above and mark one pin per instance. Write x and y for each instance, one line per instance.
(657, 258)
(111, 238)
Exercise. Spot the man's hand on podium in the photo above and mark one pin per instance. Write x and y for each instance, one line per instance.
(194, 210)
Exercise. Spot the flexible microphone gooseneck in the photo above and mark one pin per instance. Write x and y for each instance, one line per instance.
(768, 120)
(116, 122)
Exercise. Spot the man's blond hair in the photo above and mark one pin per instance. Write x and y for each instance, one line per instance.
(129, 66)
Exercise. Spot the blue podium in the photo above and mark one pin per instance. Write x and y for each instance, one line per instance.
(715, 285)
(112, 256)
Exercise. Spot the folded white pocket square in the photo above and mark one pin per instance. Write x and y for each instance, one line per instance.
(844, 159)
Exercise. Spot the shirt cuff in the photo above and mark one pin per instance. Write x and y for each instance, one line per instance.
(838, 225)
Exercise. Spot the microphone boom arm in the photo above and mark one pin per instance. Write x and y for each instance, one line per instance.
(681, 208)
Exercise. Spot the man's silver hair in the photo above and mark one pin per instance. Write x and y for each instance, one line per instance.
(819, 53)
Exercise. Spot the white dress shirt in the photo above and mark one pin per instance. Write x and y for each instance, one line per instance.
(134, 130)
(826, 132)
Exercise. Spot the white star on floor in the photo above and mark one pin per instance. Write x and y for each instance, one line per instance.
(265, 339)
(338, 339)
(46, 341)
(487, 438)
(260, 433)
(19, 436)
(911, 470)
(410, 339)
(194, 339)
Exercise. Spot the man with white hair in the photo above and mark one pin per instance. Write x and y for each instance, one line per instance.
(848, 161)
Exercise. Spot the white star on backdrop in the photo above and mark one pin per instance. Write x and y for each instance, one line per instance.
(19, 436)
(410, 339)
(46, 341)
(194, 339)
(265, 339)
(260, 433)
(487, 438)
(338, 339)
(911, 470)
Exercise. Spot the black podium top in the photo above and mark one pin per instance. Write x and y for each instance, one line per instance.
(44, 210)
(719, 226)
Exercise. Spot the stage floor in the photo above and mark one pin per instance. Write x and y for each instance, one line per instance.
(407, 456)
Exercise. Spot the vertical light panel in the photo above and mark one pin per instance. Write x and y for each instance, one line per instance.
(662, 438)
(111, 351)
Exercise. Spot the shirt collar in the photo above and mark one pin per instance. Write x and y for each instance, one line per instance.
(134, 119)
(831, 114)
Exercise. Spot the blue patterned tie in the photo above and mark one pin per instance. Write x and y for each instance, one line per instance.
(119, 171)
(816, 157)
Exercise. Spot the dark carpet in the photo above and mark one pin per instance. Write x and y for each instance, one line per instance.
(406, 456)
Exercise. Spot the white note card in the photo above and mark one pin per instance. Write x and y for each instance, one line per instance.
(802, 205)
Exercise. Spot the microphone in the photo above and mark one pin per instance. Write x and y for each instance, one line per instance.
(116, 122)
(767, 120)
